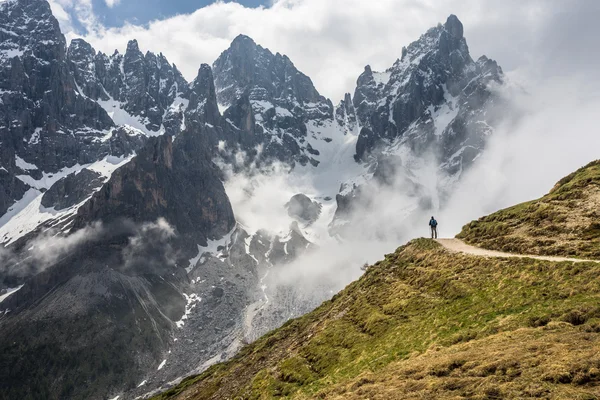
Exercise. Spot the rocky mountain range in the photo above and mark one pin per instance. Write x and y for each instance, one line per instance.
(124, 265)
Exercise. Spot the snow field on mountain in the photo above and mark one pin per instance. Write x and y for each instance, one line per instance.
(28, 213)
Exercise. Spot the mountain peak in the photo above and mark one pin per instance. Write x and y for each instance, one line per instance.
(454, 26)
(243, 40)
(80, 45)
(247, 65)
(132, 45)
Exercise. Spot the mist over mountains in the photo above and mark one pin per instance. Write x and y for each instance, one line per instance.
(151, 226)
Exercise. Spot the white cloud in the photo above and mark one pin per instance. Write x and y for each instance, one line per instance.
(555, 134)
(45, 250)
(112, 3)
(63, 17)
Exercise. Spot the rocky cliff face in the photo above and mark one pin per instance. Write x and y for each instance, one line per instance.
(175, 181)
(281, 101)
(435, 95)
(142, 90)
(44, 119)
(53, 122)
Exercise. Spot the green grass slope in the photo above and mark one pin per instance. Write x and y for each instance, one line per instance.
(425, 323)
(565, 222)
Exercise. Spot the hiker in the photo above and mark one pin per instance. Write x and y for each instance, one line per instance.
(433, 225)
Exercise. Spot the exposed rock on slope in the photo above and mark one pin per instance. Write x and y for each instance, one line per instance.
(44, 119)
(72, 189)
(434, 95)
(176, 181)
(135, 89)
(284, 105)
(303, 209)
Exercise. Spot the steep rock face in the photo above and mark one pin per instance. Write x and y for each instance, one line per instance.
(48, 122)
(248, 66)
(72, 189)
(43, 119)
(81, 57)
(303, 209)
(435, 96)
(139, 89)
(176, 181)
(283, 100)
(203, 107)
(108, 312)
(345, 114)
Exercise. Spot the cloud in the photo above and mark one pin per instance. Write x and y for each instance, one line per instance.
(148, 247)
(331, 41)
(61, 14)
(111, 3)
(45, 250)
(555, 133)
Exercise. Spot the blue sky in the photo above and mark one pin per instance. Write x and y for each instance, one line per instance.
(140, 12)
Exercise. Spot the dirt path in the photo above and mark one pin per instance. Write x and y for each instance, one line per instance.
(459, 246)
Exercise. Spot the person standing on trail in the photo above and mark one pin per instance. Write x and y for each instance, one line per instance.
(433, 226)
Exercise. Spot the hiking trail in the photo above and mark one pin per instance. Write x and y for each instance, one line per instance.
(458, 246)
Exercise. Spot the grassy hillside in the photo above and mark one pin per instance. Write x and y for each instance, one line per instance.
(564, 222)
(425, 323)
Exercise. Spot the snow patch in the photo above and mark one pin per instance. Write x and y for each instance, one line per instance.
(11, 53)
(222, 108)
(382, 78)
(259, 106)
(162, 364)
(115, 110)
(19, 205)
(283, 112)
(192, 301)
(212, 246)
(24, 164)
(109, 164)
(9, 292)
(35, 136)
(443, 115)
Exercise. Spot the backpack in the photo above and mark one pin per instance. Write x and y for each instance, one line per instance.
(433, 223)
